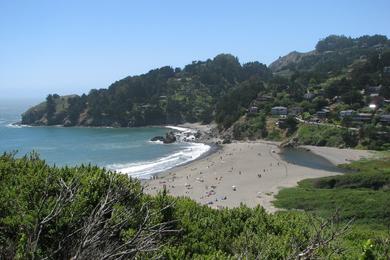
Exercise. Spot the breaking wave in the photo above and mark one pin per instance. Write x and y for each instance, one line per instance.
(146, 169)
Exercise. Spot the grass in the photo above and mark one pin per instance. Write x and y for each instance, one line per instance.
(274, 132)
(362, 195)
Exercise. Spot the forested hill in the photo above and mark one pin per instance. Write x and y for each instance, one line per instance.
(338, 71)
(161, 96)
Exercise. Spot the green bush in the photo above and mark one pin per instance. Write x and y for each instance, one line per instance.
(362, 195)
(87, 212)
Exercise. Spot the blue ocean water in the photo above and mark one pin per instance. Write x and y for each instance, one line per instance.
(127, 150)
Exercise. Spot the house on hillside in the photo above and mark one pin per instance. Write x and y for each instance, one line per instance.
(345, 113)
(385, 119)
(322, 114)
(309, 96)
(279, 111)
(373, 90)
(362, 117)
(253, 110)
(264, 98)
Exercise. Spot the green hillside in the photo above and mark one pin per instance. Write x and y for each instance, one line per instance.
(342, 74)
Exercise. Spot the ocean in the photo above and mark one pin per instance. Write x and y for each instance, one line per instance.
(126, 150)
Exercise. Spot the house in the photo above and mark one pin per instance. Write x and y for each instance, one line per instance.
(373, 89)
(279, 111)
(385, 119)
(263, 98)
(294, 111)
(309, 96)
(322, 114)
(345, 113)
(362, 117)
(253, 110)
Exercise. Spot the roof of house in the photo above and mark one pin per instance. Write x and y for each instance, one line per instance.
(385, 117)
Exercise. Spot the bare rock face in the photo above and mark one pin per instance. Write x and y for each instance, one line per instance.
(67, 123)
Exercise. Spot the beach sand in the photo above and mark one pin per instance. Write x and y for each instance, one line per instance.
(243, 172)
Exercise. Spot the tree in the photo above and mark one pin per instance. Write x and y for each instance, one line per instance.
(352, 97)
(333, 43)
(50, 108)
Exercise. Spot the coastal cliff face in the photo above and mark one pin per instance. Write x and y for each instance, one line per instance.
(54, 111)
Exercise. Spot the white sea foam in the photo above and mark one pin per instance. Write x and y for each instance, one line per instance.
(181, 129)
(12, 125)
(145, 169)
(156, 142)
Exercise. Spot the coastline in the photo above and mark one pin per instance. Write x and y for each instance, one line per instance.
(255, 169)
(249, 172)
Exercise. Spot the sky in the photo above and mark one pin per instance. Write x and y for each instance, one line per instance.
(72, 46)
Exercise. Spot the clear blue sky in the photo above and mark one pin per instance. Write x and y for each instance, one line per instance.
(72, 46)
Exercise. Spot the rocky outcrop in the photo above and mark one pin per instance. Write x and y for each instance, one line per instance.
(169, 138)
(157, 138)
(291, 58)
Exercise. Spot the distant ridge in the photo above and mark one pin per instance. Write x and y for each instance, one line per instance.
(283, 61)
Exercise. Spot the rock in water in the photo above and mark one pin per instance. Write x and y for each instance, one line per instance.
(169, 138)
(157, 138)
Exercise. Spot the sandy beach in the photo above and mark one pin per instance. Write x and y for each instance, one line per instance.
(243, 172)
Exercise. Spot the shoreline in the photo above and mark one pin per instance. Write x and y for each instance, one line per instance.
(145, 170)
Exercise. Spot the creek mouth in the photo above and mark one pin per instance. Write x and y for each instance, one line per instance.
(303, 157)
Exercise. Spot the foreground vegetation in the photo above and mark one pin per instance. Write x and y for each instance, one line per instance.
(362, 195)
(86, 212)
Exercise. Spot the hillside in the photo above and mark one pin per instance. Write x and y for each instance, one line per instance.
(161, 96)
(341, 76)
